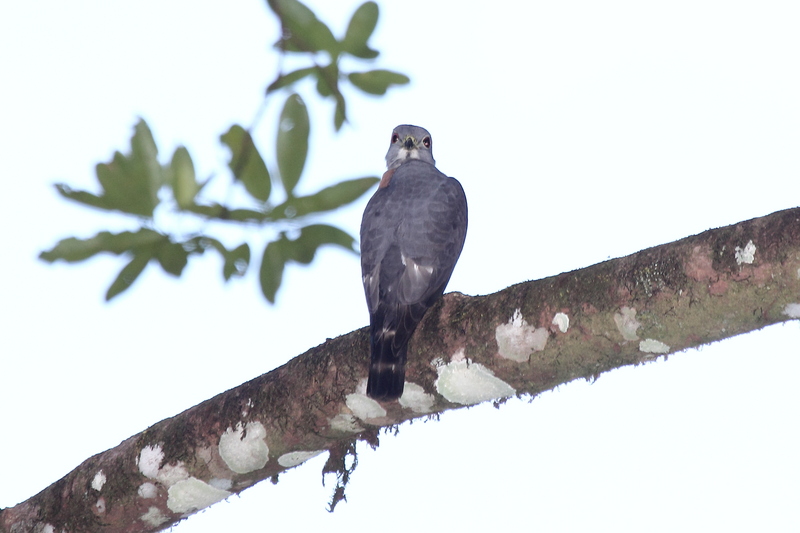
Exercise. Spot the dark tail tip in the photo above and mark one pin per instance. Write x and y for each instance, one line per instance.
(385, 382)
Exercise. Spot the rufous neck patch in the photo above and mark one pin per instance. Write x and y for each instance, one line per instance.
(387, 177)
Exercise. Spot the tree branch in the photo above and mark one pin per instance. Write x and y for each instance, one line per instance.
(525, 339)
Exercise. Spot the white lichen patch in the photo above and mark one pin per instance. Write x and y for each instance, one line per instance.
(517, 340)
(291, 459)
(204, 453)
(627, 324)
(153, 517)
(171, 474)
(747, 254)
(345, 423)
(149, 463)
(221, 483)
(243, 449)
(415, 398)
(792, 310)
(150, 460)
(653, 346)
(562, 321)
(147, 490)
(470, 383)
(98, 481)
(460, 355)
(361, 386)
(100, 505)
(364, 407)
(193, 494)
(247, 406)
(48, 528)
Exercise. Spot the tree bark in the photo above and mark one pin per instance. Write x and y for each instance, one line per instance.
(525, 339)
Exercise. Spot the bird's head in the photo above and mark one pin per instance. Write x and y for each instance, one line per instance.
(409, 142)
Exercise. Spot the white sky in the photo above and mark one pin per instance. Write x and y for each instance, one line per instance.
(579, 130)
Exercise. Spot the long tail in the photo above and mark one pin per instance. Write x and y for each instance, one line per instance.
(387, 369)
(391, 327)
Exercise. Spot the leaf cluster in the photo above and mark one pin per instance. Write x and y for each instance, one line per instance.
(302, 32)
(138, 185)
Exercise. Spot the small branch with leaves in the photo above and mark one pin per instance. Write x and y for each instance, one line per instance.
(138, 185)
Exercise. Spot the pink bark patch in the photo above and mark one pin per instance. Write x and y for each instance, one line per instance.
(719, 288)
(699, 266)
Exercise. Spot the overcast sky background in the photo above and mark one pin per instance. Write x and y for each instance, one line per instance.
(581, 131)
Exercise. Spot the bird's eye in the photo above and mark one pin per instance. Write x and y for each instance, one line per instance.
(395, 138)
(427, 142)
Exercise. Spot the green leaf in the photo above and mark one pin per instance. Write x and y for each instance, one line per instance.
(327, 199)
(361, 27)
(302, 30)
(287, 79)
(328, 85)
(272, 263)
(129, 273)
(196, 245)
(377, 81)
(300, 250)
(323, 86)
(83, 197)
(246, 163)
(312, 237)
(184, 182)
(328, 80)
(73, 250)
(130, 183)
(144, 153)
(339, 115)
(292, 143)
(173, 257)
(236, 262)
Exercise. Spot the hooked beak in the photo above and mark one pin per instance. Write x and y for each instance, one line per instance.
(409, 144)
